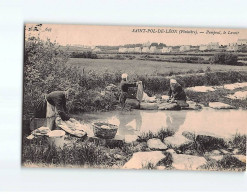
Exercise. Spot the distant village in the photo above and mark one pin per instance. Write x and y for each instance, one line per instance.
(160, 48)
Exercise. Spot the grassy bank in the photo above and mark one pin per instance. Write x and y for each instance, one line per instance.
(82, 153)
(90, 99)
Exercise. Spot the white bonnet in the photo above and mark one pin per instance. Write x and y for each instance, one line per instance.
(124, 76)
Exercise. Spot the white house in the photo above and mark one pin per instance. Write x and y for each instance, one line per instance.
(147, 44)
(210, 46)
(145, 50)
(213, 46)
(159, 50)
(203, 47)
(242, 42)
(97, 49)
(232, 47)
(122, 50)
(184, 48)
(138, 49)
(131, 50)
(153, 49)
(166, 49)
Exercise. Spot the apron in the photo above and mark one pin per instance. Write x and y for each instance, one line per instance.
(51, 114)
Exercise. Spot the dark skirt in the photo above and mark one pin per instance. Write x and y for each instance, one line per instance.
(180, 96)
(40, 109)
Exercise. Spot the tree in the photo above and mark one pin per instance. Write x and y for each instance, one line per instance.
(224, 58)
(45, 68)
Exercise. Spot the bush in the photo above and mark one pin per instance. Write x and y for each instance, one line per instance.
(78, 153)
(224, 58)
(45, 70)
(227, 163)
(85, 54)
(239, 142)
(161, 134)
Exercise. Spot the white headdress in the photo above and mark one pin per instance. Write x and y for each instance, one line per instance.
(124, 76)
(172, 81)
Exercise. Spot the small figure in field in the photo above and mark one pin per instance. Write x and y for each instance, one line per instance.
(124, 87)
(56, 106)
(176, 92)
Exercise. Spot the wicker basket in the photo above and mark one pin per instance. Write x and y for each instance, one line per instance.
(105, 130)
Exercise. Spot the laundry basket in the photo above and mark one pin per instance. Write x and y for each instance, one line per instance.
(105, 130)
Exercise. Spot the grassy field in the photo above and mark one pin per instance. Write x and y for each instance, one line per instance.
(142, 67)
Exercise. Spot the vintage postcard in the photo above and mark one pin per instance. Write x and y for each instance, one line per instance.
(131, 97)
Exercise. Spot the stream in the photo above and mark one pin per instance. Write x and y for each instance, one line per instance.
(221, 123)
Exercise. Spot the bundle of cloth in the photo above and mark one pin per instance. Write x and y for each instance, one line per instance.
(148, 99)
(71, 126)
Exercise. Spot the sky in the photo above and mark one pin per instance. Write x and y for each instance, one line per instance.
(90, 35)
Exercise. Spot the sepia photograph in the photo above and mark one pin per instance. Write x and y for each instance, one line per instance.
(132, 97)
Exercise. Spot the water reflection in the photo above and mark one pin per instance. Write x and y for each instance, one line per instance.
(216, 122)
(174, 120)
(129, 122)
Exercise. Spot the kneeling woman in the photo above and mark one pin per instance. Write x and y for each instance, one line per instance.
(176, 92)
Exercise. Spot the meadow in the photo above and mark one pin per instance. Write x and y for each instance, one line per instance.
(145, 67)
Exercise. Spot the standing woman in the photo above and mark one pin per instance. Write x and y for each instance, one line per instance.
(56, 106)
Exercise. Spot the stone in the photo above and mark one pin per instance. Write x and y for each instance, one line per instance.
(168, 106)
(220, 105)
(141, 160)
(177, 141)
(216, 152)
(213, 153)
(30, 137)
(241, 95)
(224, 151)
(118, 141)
(111, 87)
(235, 86)
(194, 106)
(217, 158)
(118, 156)
(187, 162)
(133, 103)
(190, 152)
(201, 89)
(171, 151)
(148, 106)
(115, 167)
(236, 151)
(156, 144)
(182, 103)
(130, 138)
(161, 167)
(241, 158)
(165, 97)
